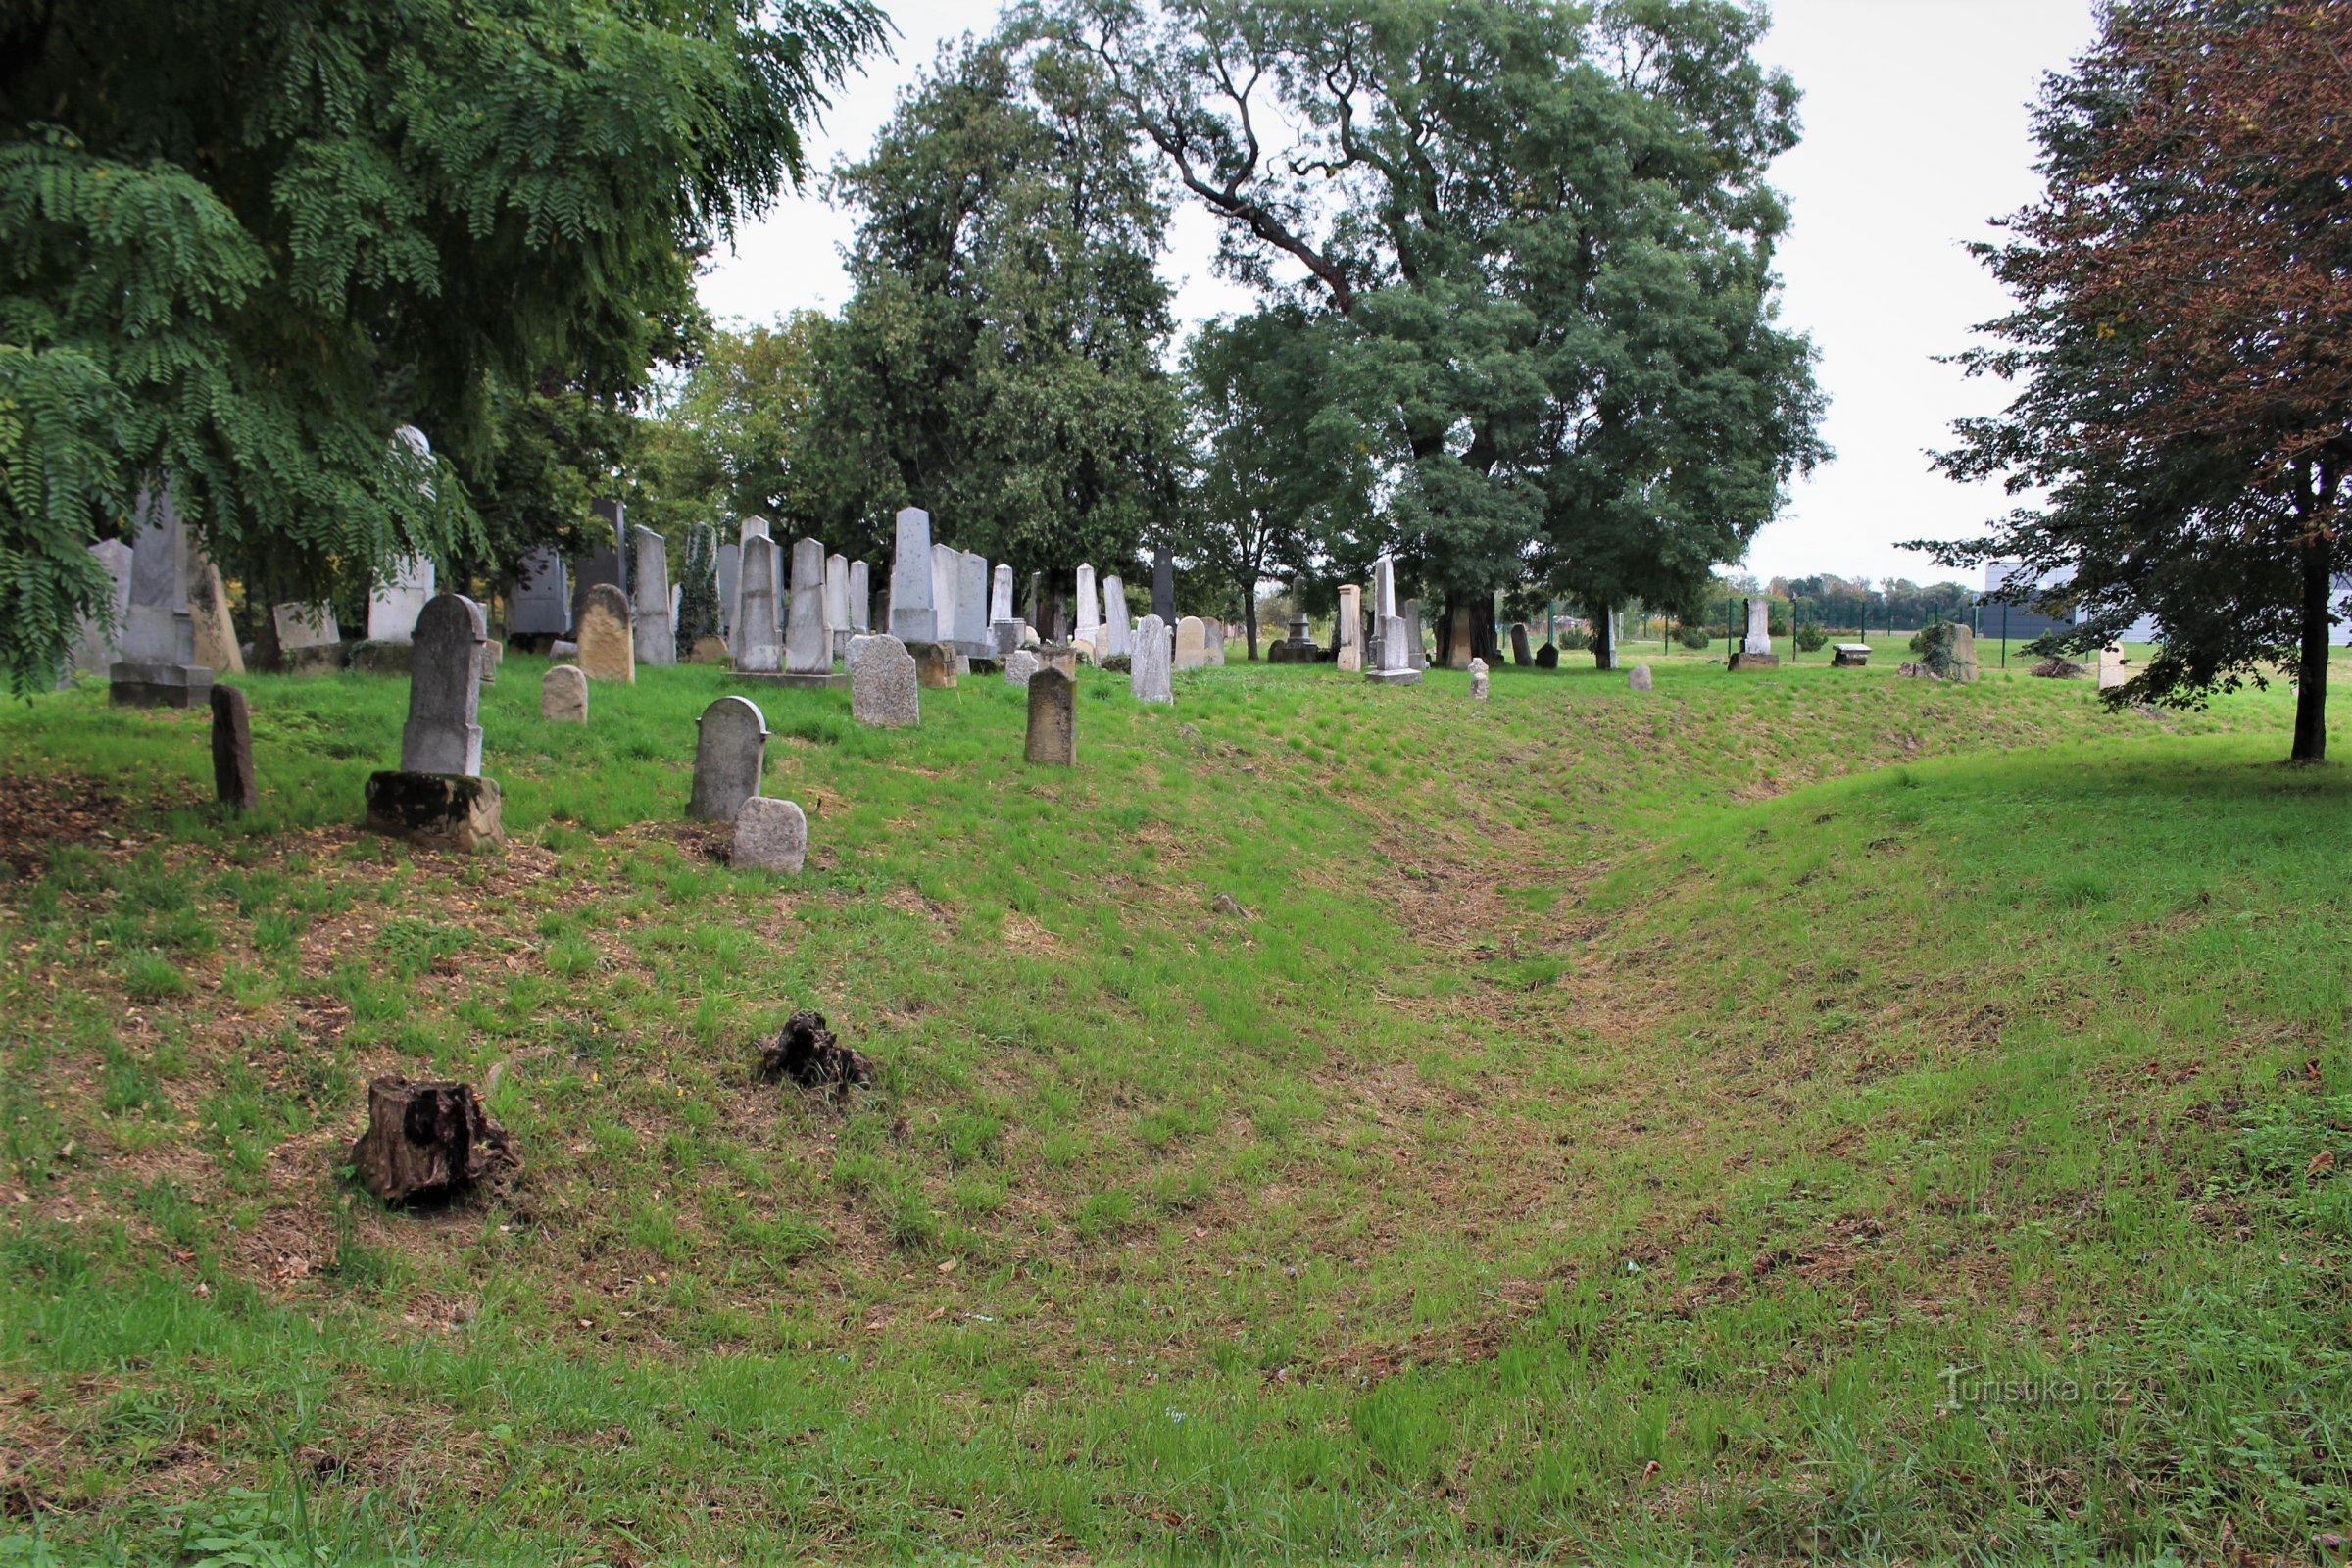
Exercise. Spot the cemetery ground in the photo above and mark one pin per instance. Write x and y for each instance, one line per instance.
(1804, 1114)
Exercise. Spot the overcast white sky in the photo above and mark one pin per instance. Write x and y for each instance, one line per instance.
(1915, 134)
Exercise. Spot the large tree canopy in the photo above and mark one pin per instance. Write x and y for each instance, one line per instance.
(240, 242)
(2183, 340)
(1546, 232)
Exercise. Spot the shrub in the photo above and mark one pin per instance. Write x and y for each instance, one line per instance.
(1697, 637)
(1810, 637)
(1574, 637)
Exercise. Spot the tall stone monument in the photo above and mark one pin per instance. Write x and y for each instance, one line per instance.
(807, 639)
(759, 643)
(1351, 627)
(1117, 634)
(862, 596)
(1396, 638)
(912, 617)
(607, 559)
(158, 667)
(1755, 648)
(98, 641)
(971, 605)
(539, 602)
(837, 606)
(1163, 583)
(649, 622)
(1090, 611)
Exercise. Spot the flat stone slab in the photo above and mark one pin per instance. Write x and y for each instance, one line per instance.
(134, 684)
(444, 811)
(771, 677)
(1747, 660)
(1394, 678)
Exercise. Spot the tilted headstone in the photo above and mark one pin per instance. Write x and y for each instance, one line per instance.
(971, 605)
(770, 835)
(1759, 627)
(808, 640)
(564, 695)
(1149, 669)
(445, 689)
(883, 685)
(1521, 655)
(393, 606)
(97, 643)
(861, 595)
(1090, 609)
(1118, 635)
(912, 609)
(1351, 627)
(212, 632)
(758, 640)
(836, 606)
(730, 747)
(539, 603)
(1478, 679)
(607, 648)
(304, 627)
(649, 622)
(1052, 719)
(1019, 666)
(232, 750)
(1192, 642)
(1639, 678)
(1163, 583)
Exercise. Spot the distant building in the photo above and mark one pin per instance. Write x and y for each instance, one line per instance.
(2022, 622)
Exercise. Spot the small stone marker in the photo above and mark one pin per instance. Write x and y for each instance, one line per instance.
(729, 749)
(608, 650)
(1849, 655)
(232, 750)
(445, 689)
(1548, 656)
(934, 666)
(770, 835)
(564, 695)
(911, 611)
(1192, 642)
(707, 649)
(1148, 672)
(1638, 679)
(1053, 716)
(1019, 666)
(1520, 655)
(884, 687)
(1477, 679)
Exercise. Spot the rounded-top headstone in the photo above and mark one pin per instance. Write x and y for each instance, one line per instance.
(1638, 679)
(564, 695)
(884, 688)
(445, 689)
(607, 647)
(728, 754)
(770, 835)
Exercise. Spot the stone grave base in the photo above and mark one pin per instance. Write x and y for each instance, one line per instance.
(379, 658)
(447, 810)
(1747, 660)
(1394, 678)
(1287, 652)
(987, 666)
(934, 664)
(137, 684)
(772, 677)
(1849, 658)
(317, 659)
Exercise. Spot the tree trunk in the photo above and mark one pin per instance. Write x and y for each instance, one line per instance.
(426, 1140)
(1250, 616)
(2311, 690)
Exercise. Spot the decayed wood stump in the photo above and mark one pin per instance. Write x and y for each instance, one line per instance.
(807, 1053)
(427, 1140)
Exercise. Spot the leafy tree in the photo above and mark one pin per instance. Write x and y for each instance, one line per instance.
(2185, 290)
(723, 442)
(998, 360)
(241, 242)
(1546, 232)
(1273, 474)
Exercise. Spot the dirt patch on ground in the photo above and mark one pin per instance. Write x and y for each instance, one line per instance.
(36, 814)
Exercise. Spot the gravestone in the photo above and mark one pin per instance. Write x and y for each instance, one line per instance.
(655, 634)
(1638, 679)
(232, 750)
(1394, 635)
(808, 640)
(971, 606)
(759, 641)
(158, 667)
(730, 588)
(730, 747)
(1019, 666)
(1477, 679)
(2114, 668)
(934, 664)
(97, 643)
(883, 685)
(393, 606)
(698, 614)
(770, 835)
(564, 695)
(1163, 583)
(608, 650)
(1520, 654)
(912, 617)
(447, 810)
(1215, 626)
(445, 689)
(212, 632)
(303, 628)
(1548, 656)
(709, 649)
(1758, 639)
(1849, 655)
(1118, 635)
(1192, 642)
(1149, 668)
(836, 606)
(947, 566)
(1037, 599)
(1964, 651)
(1416, 634)
(1053, 718)
(605, 563)
(1350, 627)
(1003, 631)
(539, 602)
(861, 594)
(1090, 609)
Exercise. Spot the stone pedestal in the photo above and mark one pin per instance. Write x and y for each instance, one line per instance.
(1744, 659)
(443, 810)
(143, 683)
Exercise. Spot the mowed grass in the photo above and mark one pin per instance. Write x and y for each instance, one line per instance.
(1721, 1123)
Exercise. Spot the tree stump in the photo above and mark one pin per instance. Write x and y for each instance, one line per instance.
(427, 1141)
(807, 1053)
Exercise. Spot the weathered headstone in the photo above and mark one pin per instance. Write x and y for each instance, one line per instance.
(158, 667)
(971, 606)
(1350, 627)
(213, 631)
(539, 602)
(607, 561)
(1090, 609)
(730, 748)
(1638, 679)
(758, 640)
(1053, 718)
(452, 810)
(1849, 655)
(711, 649)
(654, 636)
(837, 606)
(98, 644)
(1548, 656)
(1416, 634)
(1150, 665)
(1964, 651)
(770, 835)
(808, 640)
(2114, 668)
(1758, 639)
(1118, 635)
(698, 589)
(1394, 635)
(1215, 626)
(445, 689)
(608, 650)
(999, 593)
(1192, 642)
(946, 564)
(934, 664)
(1520, 652)
(883, 684)
(308, 636)
(1019, 666)
(912, 616)
(393, 606)
(1163, 583)
(861, 595)
(1477, 679)
(232, 750)
(564, 695)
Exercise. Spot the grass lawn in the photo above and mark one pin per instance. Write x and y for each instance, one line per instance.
(1804, 1114)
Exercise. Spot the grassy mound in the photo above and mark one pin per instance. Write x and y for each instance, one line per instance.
(1585, 1122)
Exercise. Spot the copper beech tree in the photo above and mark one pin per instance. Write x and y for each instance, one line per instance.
(2183, 345)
